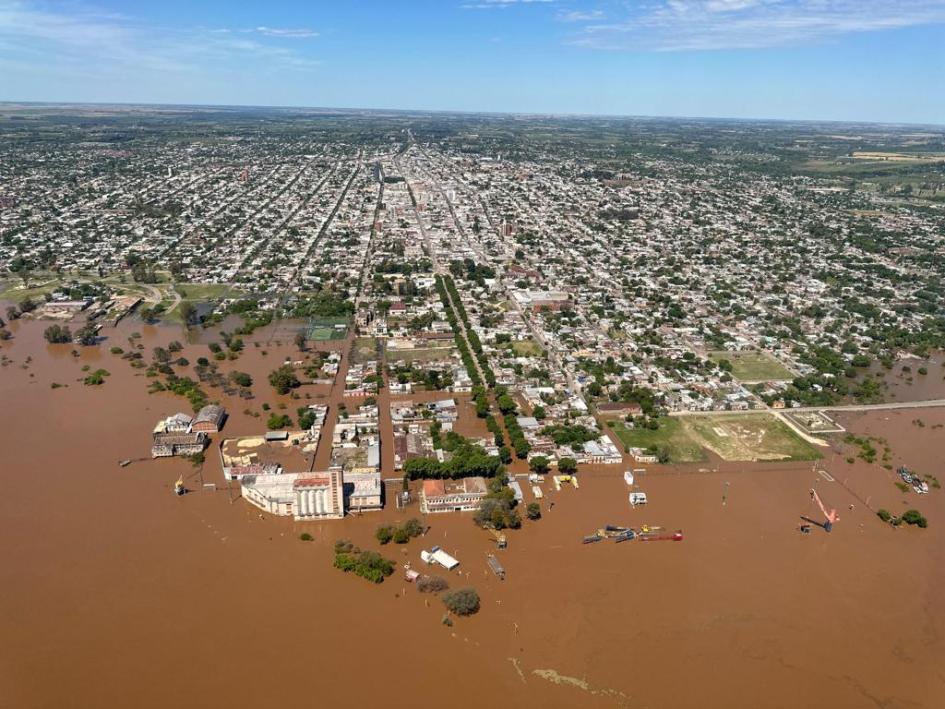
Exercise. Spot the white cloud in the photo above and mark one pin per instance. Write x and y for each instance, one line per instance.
(579, 15)
(502, 4)
(294, 33)
(680, 25)
(75, 38)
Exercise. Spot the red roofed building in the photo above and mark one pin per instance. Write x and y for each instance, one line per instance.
(462, 495)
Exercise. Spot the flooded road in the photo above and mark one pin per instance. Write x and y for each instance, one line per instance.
(118, 593)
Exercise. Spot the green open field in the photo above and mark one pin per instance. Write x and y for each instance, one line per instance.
(526, 348)
(749, 437)
(207, 291)
(13, 290)
(41, 284)
(365, 348)
(733, 437)
(324, 329)
(753, 366)
(671, 436)
(424, 354)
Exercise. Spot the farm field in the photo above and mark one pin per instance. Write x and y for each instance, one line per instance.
(749, 438)
(898, 157)
(753, 366)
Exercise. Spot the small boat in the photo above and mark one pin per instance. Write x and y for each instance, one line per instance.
(179, 488)
(657, 537)
(124, 463)
(627, 536)
(628, 477)
(591, 538)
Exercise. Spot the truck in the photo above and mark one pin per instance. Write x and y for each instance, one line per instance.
(500, 541)
(496, 567)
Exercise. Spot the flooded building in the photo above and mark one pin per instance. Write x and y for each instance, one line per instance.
(362, 491)
(165, 445)
(452, 495)
(238, 472)
(304, 496)
(600, 452)
(411, 441)
(209, 419)
(178, 423)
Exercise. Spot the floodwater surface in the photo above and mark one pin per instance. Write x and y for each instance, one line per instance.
(117, 593)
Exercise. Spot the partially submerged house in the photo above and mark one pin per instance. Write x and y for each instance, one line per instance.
(462, 495)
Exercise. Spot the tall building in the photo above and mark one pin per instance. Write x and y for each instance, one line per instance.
(304, 496)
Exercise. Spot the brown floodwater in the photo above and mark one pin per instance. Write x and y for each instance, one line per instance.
(903, 382)
(117, 593)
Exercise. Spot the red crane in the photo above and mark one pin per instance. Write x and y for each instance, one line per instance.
(830, 515)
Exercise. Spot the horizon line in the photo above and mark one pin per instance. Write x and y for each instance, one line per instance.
(522, 114)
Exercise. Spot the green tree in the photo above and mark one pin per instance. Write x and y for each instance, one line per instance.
(567, 465)
(87, 336)
(306, 417)
(283, 379)
(914, 517)
(57, 334)
(506, 404)
(463, 601)
(384, 534)
(240, 378)
(277, 421)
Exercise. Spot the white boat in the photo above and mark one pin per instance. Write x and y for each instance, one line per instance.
(637, 498)
(628, 477)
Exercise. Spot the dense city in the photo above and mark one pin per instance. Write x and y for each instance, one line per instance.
(476, 340)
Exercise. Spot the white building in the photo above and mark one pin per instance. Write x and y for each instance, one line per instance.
(362, 491)
(601, 451)
(304, 496)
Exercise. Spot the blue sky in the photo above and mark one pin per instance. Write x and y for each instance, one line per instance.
(870, 60)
